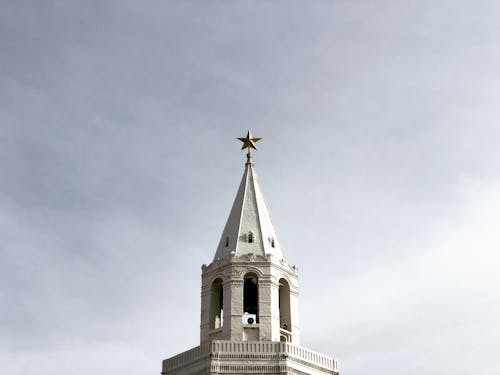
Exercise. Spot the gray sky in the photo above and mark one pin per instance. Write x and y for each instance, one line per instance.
(379, 163)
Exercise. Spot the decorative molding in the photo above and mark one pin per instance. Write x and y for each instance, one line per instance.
(250, 357)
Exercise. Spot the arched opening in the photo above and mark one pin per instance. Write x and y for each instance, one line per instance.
(284, 305)
(251, 296)
(216, 304)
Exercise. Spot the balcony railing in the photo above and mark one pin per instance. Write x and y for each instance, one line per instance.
(250, 350)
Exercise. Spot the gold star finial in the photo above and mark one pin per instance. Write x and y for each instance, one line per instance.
(249, 142)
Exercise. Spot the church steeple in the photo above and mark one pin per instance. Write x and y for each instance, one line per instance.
(249, 292)
(249, 229)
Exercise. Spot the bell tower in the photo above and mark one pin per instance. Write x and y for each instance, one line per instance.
(249, 292)
(249, 298)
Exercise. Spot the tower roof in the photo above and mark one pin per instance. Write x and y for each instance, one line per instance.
(249, 228)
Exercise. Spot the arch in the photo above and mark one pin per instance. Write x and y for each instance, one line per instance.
(219, 275)
(252, 270)
(284, 305)
(251, 294)
(216, 304)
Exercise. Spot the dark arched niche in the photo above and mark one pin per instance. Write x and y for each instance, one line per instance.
(284, 305)
(251, 294)
(216, 304)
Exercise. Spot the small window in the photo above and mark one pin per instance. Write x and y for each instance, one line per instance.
(250, 237)
(271, 241)
(227, 241)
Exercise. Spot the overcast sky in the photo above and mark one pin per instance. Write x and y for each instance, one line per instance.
(379, 163)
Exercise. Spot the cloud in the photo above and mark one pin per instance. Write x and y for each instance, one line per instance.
(119, 164)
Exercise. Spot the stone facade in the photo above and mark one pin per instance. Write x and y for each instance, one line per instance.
(249, 301)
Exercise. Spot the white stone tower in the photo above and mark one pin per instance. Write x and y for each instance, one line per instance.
(249, 299)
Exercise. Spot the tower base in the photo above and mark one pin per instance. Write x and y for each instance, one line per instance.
(249, 357)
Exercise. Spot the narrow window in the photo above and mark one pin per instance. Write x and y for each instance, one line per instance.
(251, 295)
(216, 304)
(250, 237)
(272, 242)
(227, 241)
(284, 305)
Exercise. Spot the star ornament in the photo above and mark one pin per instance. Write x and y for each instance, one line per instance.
(249, 141)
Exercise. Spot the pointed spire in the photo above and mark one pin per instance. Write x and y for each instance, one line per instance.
(249, 228)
